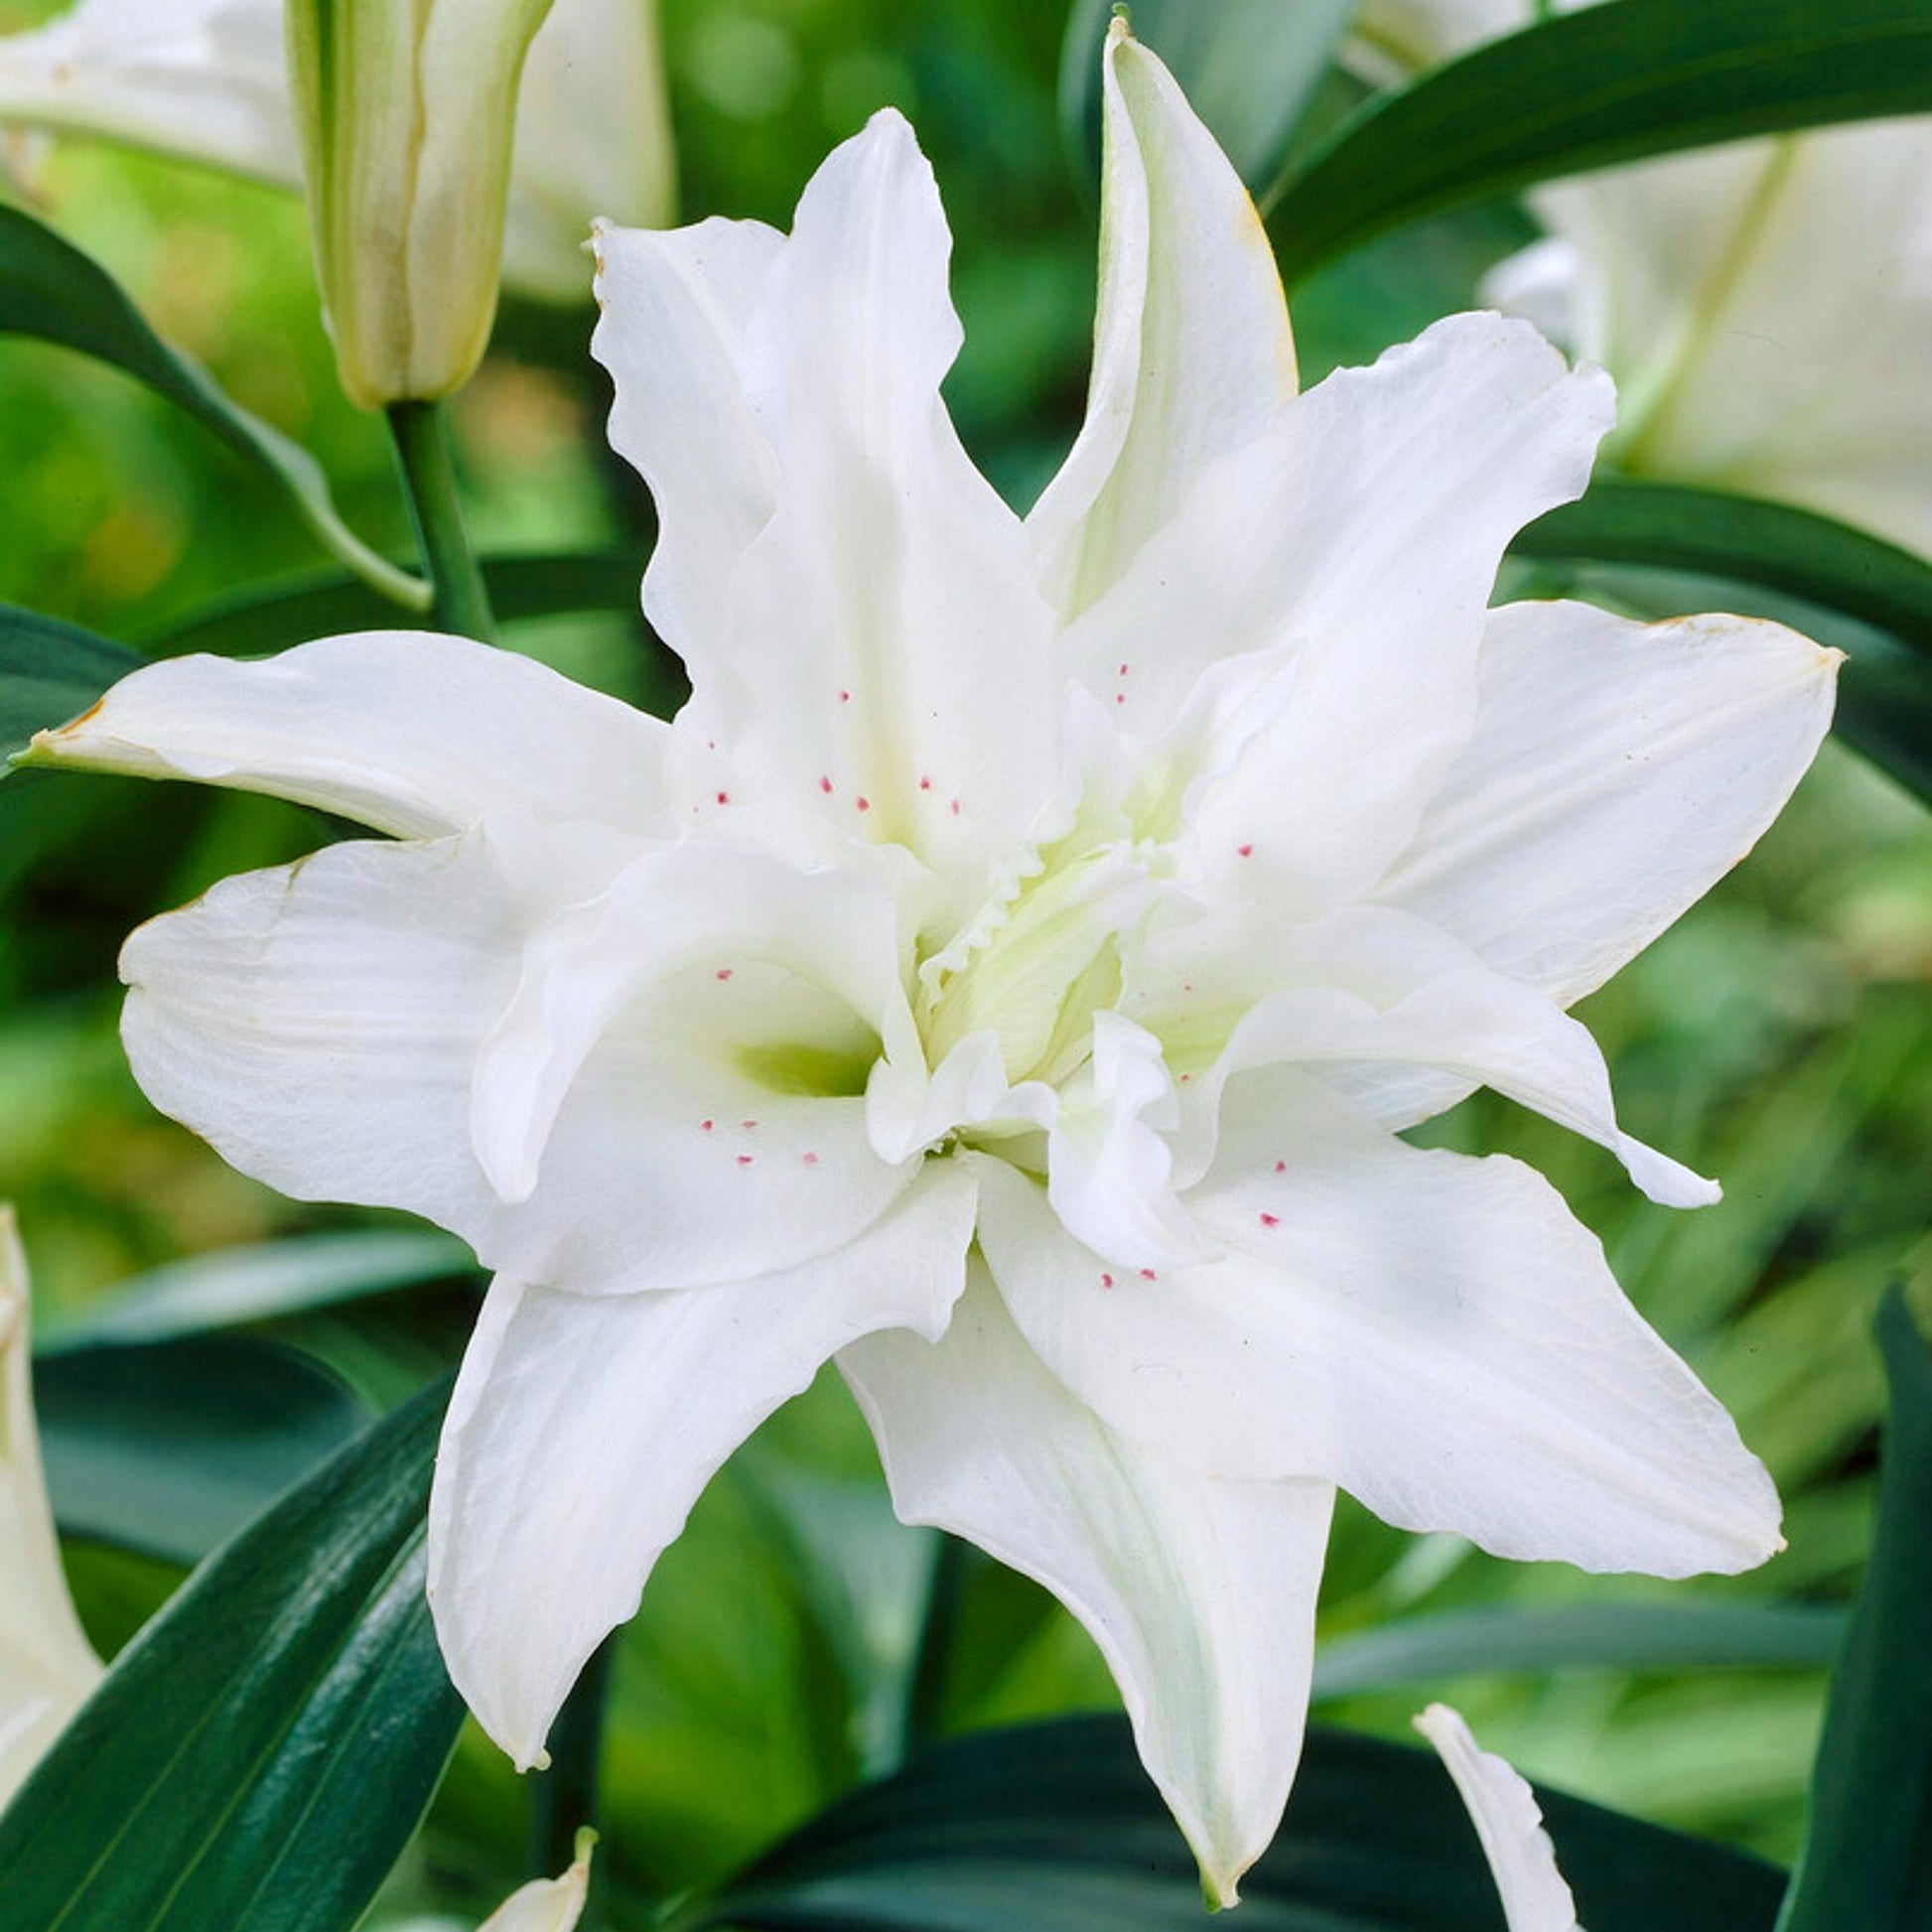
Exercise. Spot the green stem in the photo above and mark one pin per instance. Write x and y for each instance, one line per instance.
(429, 480)
(563, 1799)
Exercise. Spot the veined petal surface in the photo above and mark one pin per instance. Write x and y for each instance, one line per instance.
(582, 1430)
(1192, 352)
(1433, 1333)
(1200, 1591)
(1615, 774)
(410, 733)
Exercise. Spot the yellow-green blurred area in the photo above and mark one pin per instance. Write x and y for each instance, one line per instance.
(1780, 1038)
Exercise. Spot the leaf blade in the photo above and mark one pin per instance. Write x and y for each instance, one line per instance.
(220, 1775)
(1586, 89)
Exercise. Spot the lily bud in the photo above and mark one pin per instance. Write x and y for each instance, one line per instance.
(405, 109)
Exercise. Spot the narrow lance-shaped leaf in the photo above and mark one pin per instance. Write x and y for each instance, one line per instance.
(261, 1752)
(1612, 83)
(1868, 1855)
(51, 291)
(1050, 1826)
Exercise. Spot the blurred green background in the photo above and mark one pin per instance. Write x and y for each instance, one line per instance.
(1779, 1038)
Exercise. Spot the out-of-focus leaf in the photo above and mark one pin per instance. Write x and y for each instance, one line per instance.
(1622, 1636)
(1056, 1827)
(260, 1282)
(1249, 67)
(51, 291)
(264, 1750)
(1674, 526)
(170, 1448)
(1868, 1855)
(1611, 83)
(1667, 548)
(49, 671)
(324, 603)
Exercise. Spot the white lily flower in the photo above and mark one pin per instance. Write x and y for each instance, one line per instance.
(1764, 306)
(551, 1905)
(207, 80)
(47, 1665)
(1503, 1809)
(1010, 973)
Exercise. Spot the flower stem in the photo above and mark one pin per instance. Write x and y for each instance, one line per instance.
(422, 452)
(563, 1799)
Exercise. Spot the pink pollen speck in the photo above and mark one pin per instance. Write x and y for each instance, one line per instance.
(810, 1160)
(1270, 1220)
(1281, 1166)
(745, 1159)
(749, 1126)
(1148, 1274)
(724, 972)
(844, 697)
(704, 1126)
(1123, 671)
(1120, 697)
(1106, 1280)
(1245, 851)
(863, 804)
(723, 798)
(955, 808)
(825, 784)
(926, 784)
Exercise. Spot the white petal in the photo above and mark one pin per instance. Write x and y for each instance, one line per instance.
(582, 1430)
(676, 1088)
(547, 1905)
(1192, 352)
(593, 137)
(1404, 1020)
(1503, 1809)
(1365, 530)
(410, 732)
(1199, 1593)
(1108, 1166)
(47, 1665)
(318, 1024)
(856, 605)
(202, 79)
(1616, 773)
(1433, 1333)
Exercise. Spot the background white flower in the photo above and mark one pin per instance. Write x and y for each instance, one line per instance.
(1012, 971)
(207, 80)
(1764, 306)
(47, 1665)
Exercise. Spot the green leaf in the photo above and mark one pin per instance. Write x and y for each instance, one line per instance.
(260, 1754)
(260, 1282)
(171, 1448)
(1621, 1636)
(1056, 1827)
(1668, 549)
(1868, 1855)
(1611, 83)
(325, 604)
(51, 291)
(1249, 69)
(51, 672)
(1674, 526)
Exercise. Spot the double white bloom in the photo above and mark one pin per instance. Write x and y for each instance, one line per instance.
(1010, 973)
(1764, 306)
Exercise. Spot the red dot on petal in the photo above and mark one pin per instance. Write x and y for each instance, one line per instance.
(1246, 851)
(1281, 1166)
(825, 784)
(748, 1125)
(926, 784)
(745, 1159)
(1148, 1274)
(844, 697)
(1123, 671)
(724, 972)
(1120, 697)
(1270, 1220)
(811, 1160)
(864, 804)
(1106, 1280)
(955, 808)
(706, 1126)
(723, 798)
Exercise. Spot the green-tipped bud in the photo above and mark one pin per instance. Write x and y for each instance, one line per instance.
(405, 110)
